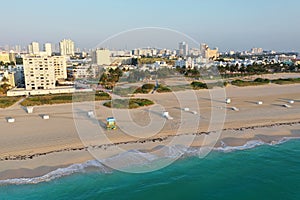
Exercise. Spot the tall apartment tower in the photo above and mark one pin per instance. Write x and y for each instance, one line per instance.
(183, 49)
(34, 48)
(42, 72)
(67, 47)
(48, 49)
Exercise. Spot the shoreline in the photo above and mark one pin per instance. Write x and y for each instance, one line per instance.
(153, 140)
(238, 139)
(50, 173)
(33, 147)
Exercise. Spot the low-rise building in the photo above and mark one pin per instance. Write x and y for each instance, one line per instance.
(4, 57)
(185, 63)
(83, 72)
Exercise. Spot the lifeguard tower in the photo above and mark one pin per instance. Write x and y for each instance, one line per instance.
(111, 123)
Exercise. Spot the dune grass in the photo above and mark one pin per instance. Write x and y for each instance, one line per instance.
(128, 103)
(64, 98)
(6, 102)
(286, 81)
(256, 82)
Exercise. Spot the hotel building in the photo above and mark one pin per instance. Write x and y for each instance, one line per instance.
(42, 72)
(67, 48)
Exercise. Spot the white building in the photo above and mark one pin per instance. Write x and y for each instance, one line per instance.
(67, 47)
(183, 49)
(34, 48)
(257, 51)
(121, 53)
(42, 72)
(101, 57)
(147, 52)
(84, 72)
(185, 63)
(48, 49)
(161, 64)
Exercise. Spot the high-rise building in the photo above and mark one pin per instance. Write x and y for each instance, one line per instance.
(203, 49)
(208, 53)
(42, 72)
(18, 49)
(67, 47)
(12, 56)
(48, 49)
(183, 49)
(34, 48)
(257, 51)
(101, 57)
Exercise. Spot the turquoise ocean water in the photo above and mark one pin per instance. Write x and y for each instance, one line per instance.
(263, 172)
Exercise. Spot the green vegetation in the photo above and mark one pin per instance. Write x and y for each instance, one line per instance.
(286, 81)
(163, 89)
(6, 64)
(4, 88)
(261, 81)
(187, 72)
(128, 103)
(230, 71)
(149, 60)
(145, 89)
(64, 98)
(110, 78)
(176, 88)
(217, 84)
(128, 92)
(6, 102)
(137, 75)
(258, 81)
(124, 92)
(164, 72)
(198, 85)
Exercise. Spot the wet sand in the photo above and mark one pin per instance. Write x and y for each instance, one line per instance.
(32, 146)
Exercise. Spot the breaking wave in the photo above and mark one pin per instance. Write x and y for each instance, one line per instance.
(58, 173)
(136, 157)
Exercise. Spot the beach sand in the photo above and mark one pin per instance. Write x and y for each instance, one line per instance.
(32, 146)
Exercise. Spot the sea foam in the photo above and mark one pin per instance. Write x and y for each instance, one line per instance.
(58, 173)
(136, 157)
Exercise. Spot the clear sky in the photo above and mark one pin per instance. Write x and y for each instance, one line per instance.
(227, 24)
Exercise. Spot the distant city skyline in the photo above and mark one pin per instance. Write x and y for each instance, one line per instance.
(235, 25)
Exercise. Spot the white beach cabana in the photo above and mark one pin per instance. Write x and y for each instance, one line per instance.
(195, 112)
(167, 116)
(10, 120)
(235, 109)
(259, 103)
(29, 109)
(228, 101)
(91, 114)
(46, 117)
(186, 109)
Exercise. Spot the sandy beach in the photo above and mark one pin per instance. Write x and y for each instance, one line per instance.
(33, 147)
